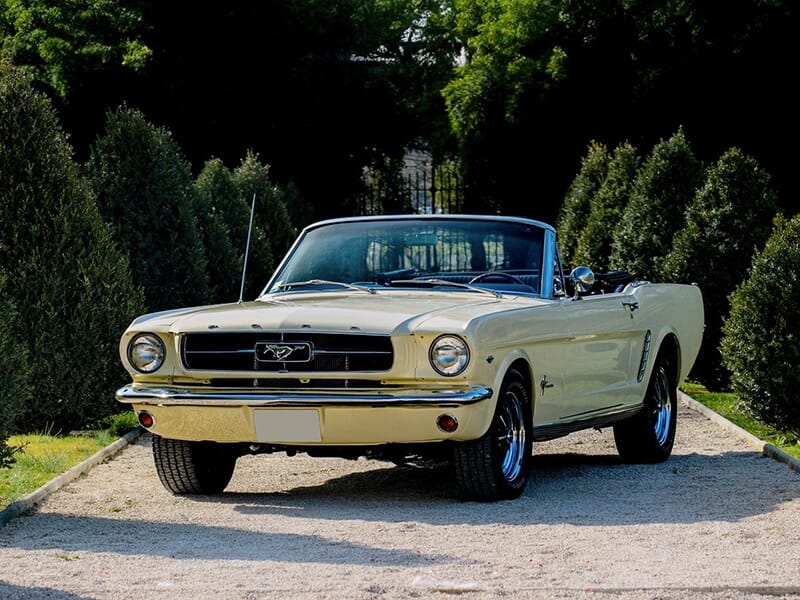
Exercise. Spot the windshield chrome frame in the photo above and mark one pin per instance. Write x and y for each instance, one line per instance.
(548, 241)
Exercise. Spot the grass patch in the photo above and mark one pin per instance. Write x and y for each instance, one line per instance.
(43, 457)
(727, 405)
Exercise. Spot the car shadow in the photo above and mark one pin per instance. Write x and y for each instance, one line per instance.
(196, 541)
(9, 590)
(570, 488)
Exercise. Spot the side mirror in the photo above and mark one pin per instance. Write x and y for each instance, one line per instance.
(583, 281)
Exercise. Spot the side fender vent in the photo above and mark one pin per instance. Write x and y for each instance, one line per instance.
(645, 356)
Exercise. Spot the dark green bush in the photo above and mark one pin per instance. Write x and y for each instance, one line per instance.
(664, 187)
(575, 208)
(70, 283)
(145, 190)
(15, 383)
(217, 187)
(605, 210)
(761, 342)
(223, 259)
(729, 218)
(272, 214)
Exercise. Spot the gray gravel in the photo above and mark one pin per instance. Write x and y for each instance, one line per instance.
(718, 520)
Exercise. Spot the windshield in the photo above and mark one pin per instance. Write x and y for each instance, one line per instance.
(487, 253)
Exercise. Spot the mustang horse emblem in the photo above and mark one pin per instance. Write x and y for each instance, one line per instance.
(283, 352)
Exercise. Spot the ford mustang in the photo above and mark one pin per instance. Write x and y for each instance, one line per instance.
(447, 337)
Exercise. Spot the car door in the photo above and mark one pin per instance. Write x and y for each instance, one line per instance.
(600, 368)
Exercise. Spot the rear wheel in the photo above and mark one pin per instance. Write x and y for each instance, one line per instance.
(495, 466)
(648, 436)
(193, 467)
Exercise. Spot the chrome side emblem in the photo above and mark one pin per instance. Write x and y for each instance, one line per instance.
(283, 352)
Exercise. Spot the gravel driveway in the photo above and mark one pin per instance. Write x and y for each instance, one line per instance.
(718, 520)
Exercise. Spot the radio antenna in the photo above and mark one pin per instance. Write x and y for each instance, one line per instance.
(247, 247)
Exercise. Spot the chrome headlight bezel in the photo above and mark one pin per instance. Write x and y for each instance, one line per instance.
(449, 355)
(146, 352)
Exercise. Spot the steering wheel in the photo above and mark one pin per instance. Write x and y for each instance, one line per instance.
(499, 274)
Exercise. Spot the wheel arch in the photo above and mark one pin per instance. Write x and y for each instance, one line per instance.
(670, 349)
(525, 369)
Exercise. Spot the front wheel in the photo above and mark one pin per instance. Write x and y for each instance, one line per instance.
(648, 436)
(495, 466)
(193, 467)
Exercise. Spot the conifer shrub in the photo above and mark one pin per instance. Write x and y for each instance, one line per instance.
(606, 208)
(15, 383)
(218, 190)
(664, 187)
(575, 208)
(272, 214)
(145, 190)
(69, 281)
(728, 220)
(223, 259)
(761, 336)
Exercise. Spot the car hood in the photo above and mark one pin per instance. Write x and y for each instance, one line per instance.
(385, 312)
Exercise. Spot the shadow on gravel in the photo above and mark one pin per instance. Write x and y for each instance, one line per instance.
(564, 488)
(8, 590)
(190, 541)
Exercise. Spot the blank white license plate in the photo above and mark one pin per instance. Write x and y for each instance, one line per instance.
(279, 425)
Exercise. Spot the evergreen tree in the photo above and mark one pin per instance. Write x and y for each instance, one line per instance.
(223, 278)
(272, 214)
(575, 208)
(15, 384)
(663, 189)
(146, 192)
(606, 208)
(729, 218)
(761, 343)
(70, 283)
(216, 186)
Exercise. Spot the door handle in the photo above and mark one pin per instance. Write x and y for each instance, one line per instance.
(631, 305)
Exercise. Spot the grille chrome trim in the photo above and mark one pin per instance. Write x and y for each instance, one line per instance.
(323, 352)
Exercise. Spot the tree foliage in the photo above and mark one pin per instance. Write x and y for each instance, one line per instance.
(664, 187)
(61, 40)
(606, 208)
(761, 343)
(577, 203)
(252, 177)
(728, 220)
(146, 192)
(72, 286)
(540, 77)
(220, 193)
(15, 383)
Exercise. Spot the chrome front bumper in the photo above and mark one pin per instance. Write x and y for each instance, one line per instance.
(164, 396)
(329, 418)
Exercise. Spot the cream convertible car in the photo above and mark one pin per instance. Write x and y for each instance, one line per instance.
(455, 337)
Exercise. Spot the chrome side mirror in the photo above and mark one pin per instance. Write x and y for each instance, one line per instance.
(583, 281)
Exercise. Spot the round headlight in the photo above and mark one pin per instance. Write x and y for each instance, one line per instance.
(449, 355)
(146, 352)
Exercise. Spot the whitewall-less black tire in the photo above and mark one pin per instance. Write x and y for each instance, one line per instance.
(193, 467)
(648, 436)
(495, 466)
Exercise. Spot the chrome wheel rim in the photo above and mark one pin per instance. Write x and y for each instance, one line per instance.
(662, 406)
(511, 436)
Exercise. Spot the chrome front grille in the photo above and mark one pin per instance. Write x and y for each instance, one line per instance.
(286, 352)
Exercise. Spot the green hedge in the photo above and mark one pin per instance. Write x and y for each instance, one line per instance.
(664, 187)
(761, 343)
(728, 220)
(577, 203)
(70, 283)
(145, 189)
